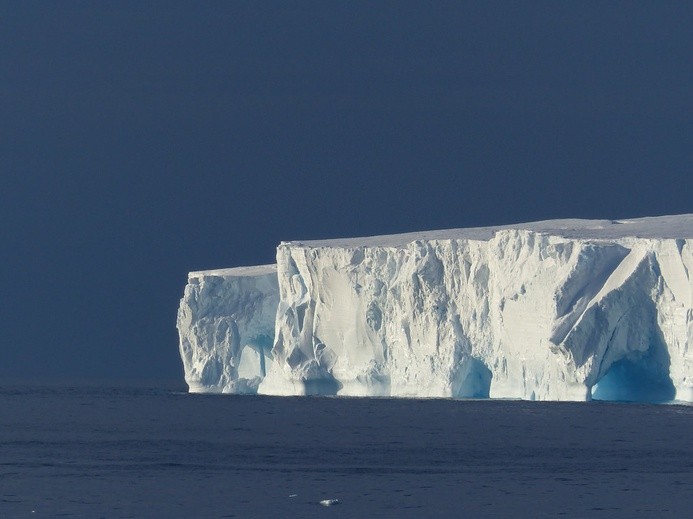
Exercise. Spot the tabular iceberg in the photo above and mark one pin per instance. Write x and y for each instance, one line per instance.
(554, 310)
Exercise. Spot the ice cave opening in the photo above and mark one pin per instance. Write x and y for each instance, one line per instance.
(638, 378)
(321, 387)
(474, 380)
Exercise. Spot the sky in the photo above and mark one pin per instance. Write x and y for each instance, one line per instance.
(140, 140)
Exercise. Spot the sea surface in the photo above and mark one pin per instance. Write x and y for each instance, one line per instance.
(137, 452)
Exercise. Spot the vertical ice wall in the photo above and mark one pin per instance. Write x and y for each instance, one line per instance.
(226, 328)
(565, 310)
(522, 315)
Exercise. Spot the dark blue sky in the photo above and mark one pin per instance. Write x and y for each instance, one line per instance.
(140, 140)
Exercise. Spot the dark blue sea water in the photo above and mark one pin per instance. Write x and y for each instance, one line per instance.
(127, 452)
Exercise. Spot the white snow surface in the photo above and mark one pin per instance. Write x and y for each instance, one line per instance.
(553, 310)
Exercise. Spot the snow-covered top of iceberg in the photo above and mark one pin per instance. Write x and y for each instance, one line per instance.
(256, 270)
(678, 226)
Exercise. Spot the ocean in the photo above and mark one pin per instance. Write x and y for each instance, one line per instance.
(142, 452)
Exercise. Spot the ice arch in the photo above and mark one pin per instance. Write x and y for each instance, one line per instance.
(474, 380)
(638, 378)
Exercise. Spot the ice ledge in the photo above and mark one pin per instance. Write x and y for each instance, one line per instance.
(255, 270)
(226, 327)
(556, 310)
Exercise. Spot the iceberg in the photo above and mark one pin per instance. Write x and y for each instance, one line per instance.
(226, 327)
(553, 310)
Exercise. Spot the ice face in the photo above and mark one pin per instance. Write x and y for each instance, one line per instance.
(558, 310)
(226, 327)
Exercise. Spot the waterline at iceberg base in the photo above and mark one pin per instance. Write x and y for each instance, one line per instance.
(553, 310)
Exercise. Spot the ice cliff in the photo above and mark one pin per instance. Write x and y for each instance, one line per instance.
(226, 327)
(555, 310)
